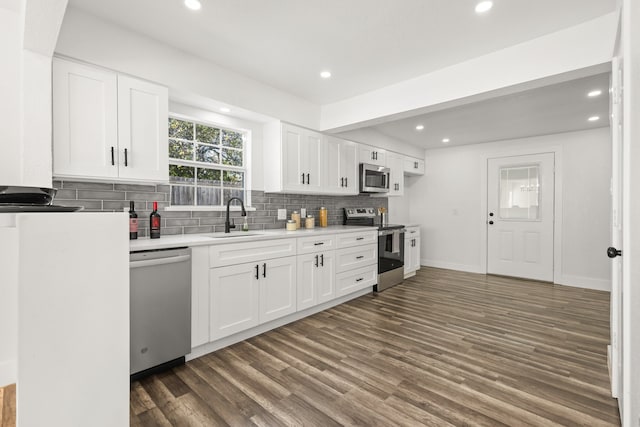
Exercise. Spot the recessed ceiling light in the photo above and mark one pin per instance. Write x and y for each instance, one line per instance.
(484, 6)
(445, 140)
(225, 109)
(193, 4)
(594, 118)
(594, 93)
(325, 74)
(419, 127)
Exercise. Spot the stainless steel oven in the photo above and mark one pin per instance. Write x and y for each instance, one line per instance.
(374, 179)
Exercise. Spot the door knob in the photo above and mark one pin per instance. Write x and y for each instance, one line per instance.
(490, 222)
(613, 252)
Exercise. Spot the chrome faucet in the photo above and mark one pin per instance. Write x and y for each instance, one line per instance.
(227, 224)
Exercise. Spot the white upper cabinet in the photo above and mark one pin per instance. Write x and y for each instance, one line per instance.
(395, 163)
(372, 155)
(340, 166)
(85, 120)
(413, 166)
(142, 130)
(302, 155)
(107, 125)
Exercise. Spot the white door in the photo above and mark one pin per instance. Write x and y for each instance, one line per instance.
(520, 201)
(615, 360)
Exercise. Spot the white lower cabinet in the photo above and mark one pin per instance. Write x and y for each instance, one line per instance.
(354, 280)
(246, 295)
(316, 279)
(233, 299)
(277, 288)
(411, 251)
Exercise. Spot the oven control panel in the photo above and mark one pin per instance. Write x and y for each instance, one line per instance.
(360, 212)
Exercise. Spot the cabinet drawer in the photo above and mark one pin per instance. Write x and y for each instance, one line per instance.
(350, 258)
(412, 232)
(354, 280)
(348, 240)
(311, 244)
(238, 253)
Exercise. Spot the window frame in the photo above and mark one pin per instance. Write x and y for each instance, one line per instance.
(245, 169)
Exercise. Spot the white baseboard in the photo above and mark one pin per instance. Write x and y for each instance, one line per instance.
(451, 266)
(584, 282)
(8, 372)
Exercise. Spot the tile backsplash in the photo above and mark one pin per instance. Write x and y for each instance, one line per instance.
(114, 197)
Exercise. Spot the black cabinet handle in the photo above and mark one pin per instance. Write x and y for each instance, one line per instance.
(341, 181)
(113, 157)
(308, 179)
(321, 260)
(360, 257)
(303, 178)
(126, 160)
(257, 272)
(316, 260)
(318, 244)
(359, 238)
(613, 252)
(490, 213)
(415, 165)
(264, 271)
(360, 279)
(346, 183)
(490, 222)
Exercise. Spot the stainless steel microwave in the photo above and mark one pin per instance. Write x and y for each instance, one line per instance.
(373, 178)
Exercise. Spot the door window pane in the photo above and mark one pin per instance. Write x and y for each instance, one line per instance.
(520, 192)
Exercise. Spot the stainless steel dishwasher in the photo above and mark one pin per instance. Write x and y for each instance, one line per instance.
(160, 309)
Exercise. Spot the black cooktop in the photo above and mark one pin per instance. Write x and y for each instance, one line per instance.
(26, 208)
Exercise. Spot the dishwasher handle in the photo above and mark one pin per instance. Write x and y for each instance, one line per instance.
(159, 261)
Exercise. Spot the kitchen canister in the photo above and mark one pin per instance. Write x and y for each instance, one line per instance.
(295, 216)
(323, 217)
(309, 222)
(291, 225)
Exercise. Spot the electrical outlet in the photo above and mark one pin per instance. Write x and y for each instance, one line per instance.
(282, 214)
(303, 212)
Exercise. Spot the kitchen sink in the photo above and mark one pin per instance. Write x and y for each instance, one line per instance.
(233, 234)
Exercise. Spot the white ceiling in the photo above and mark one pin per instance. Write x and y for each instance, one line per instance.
(367, 44)
(562, 107)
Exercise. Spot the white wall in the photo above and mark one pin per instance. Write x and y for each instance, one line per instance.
(90, 39)
(10, 81)
(377, 139)
(446, 201)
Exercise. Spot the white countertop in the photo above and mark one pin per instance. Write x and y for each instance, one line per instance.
(165, 242)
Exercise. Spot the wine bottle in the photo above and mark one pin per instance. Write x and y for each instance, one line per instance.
(133, 222)
(154, 222)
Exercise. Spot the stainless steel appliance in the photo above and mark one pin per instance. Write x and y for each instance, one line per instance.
(373, 178)
(390, 245)
(19, 199)
(160, 309)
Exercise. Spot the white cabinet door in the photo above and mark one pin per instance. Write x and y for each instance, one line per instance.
(341, 166)
(142, 130)
(234, 299)
(302, 159)
(413, 166)
(415, 258)
(372, 155)
(307, 281)
(408, 255)
(395, 163)
(411, 250)
(85, 121)
(326, 287)
(277, 288)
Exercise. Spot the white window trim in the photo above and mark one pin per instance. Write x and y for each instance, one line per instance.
(246, 169)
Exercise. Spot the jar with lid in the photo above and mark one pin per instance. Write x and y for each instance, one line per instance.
(295, 216)
(323, 217)
(291, 225)
(309, 222)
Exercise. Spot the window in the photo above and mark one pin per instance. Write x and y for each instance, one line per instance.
(207, 164)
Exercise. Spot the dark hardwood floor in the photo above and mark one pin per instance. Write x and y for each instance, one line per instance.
(443, 348)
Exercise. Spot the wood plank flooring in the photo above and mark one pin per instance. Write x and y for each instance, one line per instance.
(444, 348)
(8, 406)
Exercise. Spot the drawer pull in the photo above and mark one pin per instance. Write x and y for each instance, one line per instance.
(360, 257)
(318, 244)
(360, 279)
(359, 238)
